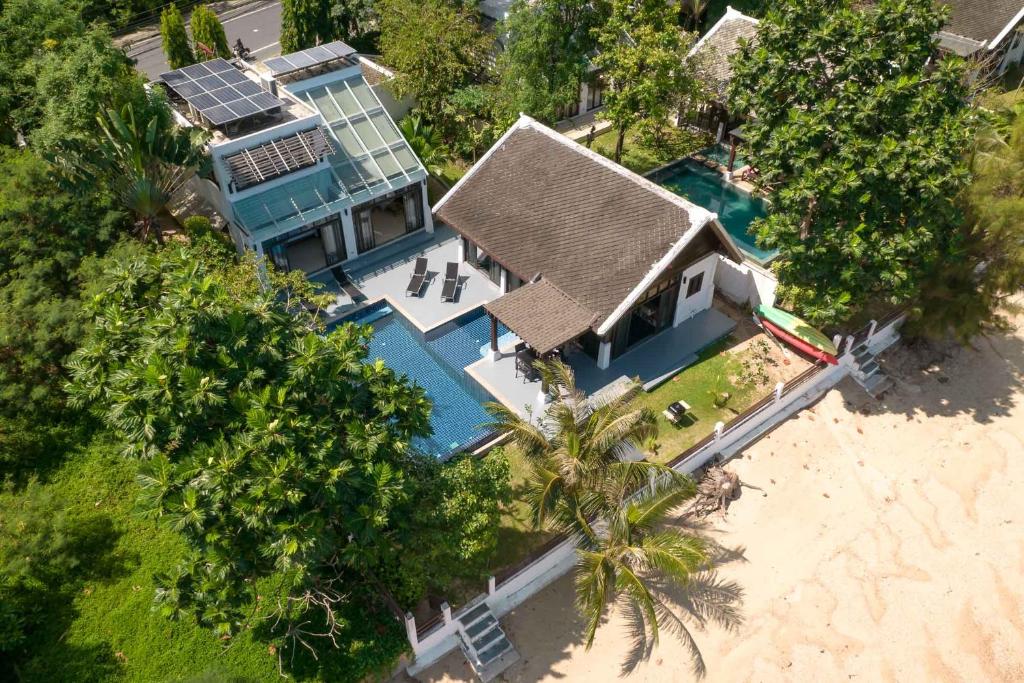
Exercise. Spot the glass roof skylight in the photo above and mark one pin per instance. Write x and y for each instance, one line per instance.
(373, 152)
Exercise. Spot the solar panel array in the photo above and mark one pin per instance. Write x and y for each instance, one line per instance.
(219, 92)
(305, 59)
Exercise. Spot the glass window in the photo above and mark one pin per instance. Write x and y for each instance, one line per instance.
(696, 282)
(367, 133)
(326, 106)
(384, 126)
(405, 157)
(345, 99)
(368, 170)
(387, 164)
(348, 140)
(363, 94)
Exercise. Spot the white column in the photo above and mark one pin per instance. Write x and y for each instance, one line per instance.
(446, 612)
(778, 391)
(348, 233)
(491, 585)
(604, 355)
(428, 218)
(503, 285)
(410, 630)
(584, 95)
(719, 428)
(462, 250)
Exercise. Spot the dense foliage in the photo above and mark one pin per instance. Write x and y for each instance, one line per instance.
(174, 38)
(970, 293)
(861, 135)
(435, 47)
(304, 23)
(209, 32)
(546, 55)
(642, 54)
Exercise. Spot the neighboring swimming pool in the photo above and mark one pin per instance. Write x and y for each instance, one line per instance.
(736, 209)
(436, 362)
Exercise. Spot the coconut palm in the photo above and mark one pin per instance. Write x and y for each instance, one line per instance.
(582, 485)
(691, 12)
(426, 142)
(143, 159)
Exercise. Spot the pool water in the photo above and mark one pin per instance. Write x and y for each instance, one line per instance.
(736, 209)
(719, 153)
(436, 363)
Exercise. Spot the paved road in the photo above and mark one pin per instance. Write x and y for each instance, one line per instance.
(259, 27)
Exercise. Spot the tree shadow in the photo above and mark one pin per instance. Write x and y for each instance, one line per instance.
(944, 379)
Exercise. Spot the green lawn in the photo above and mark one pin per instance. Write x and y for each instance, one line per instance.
(641, 158)
(715, 371)
(102, 626)
(516, 535)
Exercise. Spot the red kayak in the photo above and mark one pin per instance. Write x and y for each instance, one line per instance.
(797, 343)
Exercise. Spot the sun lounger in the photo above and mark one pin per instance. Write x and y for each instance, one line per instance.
(419, 276)
(451, 281)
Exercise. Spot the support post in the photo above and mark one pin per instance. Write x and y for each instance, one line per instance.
(428, 216)
(837, 341)
(446, 612)
(849, 343)
(732, 156)
(410, 630)
(492, 586)
(494, 355)
(778, 391)
(719, 428)
(871, 329)
(604, 354)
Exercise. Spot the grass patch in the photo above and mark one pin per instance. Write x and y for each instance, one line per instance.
(101, 625)
(715, 371)
(641, 156)
(517, 536)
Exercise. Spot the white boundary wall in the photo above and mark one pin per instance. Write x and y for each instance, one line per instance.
(560, 560)
(745, 283)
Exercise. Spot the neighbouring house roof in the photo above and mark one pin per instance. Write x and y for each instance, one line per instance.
(721, 42)
(985, 22)
(278, 157)
(597, 233)
(541, 315)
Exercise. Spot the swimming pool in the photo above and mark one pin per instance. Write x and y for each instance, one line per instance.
(719, 153)
(736, 209)
(436, 362)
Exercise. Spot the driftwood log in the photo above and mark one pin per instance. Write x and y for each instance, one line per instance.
(717, 487)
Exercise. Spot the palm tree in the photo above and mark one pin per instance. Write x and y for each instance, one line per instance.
(615, 509)
(426, 142)
(143, 160)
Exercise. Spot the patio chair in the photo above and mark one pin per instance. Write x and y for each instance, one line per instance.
(676, 411)
(419, 276)
(451, 281)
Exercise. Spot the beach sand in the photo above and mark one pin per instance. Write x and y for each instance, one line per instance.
(885, 542)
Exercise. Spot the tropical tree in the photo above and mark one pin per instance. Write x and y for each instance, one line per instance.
(973, 289)
(176, 44)
(642, 54)
(274, 449)
(426, 142)
(350, 19)
(582, 484)
(143, 161)
(546, 55)
(435, 47)
(208, 31)
(861, 135)
(305, 23)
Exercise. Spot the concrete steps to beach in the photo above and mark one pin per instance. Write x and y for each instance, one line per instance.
(484, 644)
(868, 373)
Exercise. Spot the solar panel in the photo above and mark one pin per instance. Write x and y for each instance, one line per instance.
(306, 58)
(219, 92)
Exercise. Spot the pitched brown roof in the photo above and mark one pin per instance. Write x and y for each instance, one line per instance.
(541, 204)
(721, 42)
(981, 20)
(541, 315)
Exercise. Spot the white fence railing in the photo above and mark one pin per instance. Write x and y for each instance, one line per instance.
(433, 640)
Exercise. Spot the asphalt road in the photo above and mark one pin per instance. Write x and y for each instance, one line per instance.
(259, 27)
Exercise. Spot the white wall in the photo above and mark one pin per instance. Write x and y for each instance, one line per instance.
(746, 283)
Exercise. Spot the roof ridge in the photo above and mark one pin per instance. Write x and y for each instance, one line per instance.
(731, 14)
(697, 214)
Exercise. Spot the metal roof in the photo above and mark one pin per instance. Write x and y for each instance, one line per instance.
(277, 157)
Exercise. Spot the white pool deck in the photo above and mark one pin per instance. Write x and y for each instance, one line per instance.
(384, 275)
(652, 362)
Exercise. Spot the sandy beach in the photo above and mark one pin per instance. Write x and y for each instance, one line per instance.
(884, 542)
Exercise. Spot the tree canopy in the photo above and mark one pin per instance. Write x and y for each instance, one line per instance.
(435, 47)
(642, 54)
(546, 55)
(860, 136)
(174, 38)
(305, 23)
(207, 30)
